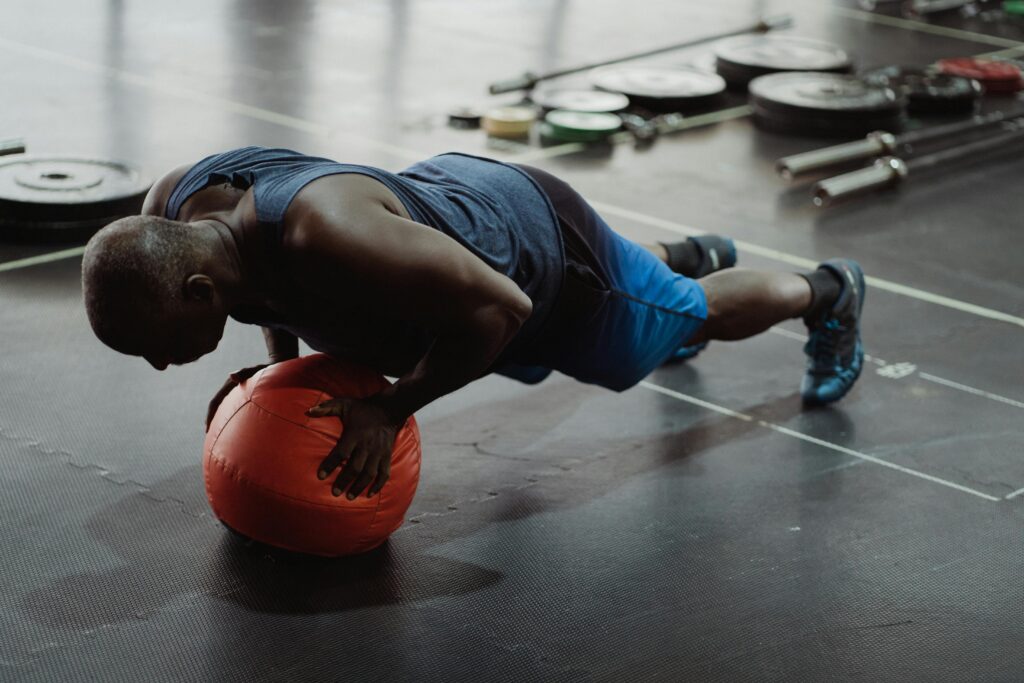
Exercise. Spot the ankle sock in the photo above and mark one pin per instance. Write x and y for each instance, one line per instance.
(825, 289)
(683, 257)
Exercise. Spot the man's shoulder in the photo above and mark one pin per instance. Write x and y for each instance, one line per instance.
(156, 199)
(334, 202)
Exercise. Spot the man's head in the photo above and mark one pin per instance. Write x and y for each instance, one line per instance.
(150, 289)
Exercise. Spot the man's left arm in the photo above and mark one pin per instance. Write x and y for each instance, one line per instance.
(405, 271)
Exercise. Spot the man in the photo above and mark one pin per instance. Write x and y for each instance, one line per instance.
(452, 269)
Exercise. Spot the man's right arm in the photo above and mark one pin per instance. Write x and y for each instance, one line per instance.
(281, 345)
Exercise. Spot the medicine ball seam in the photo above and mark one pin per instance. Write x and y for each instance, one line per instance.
(305, 425)
(237, 475)
(216, 438)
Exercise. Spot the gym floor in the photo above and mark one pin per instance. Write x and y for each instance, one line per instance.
(701, 526)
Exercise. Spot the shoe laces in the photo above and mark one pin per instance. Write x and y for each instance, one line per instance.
(823, 344)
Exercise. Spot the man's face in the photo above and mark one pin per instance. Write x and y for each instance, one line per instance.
(179, 337)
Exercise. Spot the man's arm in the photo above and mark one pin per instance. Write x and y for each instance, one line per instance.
(368, 256)
(354, 249)
(281, 345)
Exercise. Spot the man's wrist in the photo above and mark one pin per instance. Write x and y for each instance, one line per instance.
(395, 403)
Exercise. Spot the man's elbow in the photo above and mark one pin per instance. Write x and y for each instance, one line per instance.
(503, 318)
(521, 308)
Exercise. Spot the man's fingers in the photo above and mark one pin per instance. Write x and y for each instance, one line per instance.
(366, 478)
(352, 469)
(383, 474)
(337, 456)
(327, 408)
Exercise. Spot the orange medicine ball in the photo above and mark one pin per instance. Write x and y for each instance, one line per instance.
(261, 456)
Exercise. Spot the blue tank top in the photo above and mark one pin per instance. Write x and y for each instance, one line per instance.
(493, 209)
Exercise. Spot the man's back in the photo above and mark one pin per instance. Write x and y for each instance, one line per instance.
(493, 210)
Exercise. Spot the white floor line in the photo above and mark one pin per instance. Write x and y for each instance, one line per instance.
(811, 264)
(1014, 494)
(400, 152)
(839, 468)
(971, 390)
(1008, 53)
(923, 375)
(820, 442)
(43, 258)
(923, 27)
(696, 401)
(783, 332)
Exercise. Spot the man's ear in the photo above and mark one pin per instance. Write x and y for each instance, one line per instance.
(199, 288)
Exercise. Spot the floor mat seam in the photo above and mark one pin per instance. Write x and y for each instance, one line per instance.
(66, 458)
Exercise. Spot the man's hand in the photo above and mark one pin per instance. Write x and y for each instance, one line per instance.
(234, 379)
(367, 439)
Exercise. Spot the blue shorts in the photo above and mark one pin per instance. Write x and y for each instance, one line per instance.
(621, 313)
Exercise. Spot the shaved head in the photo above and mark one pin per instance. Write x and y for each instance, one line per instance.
(134, 270)
(134, 275)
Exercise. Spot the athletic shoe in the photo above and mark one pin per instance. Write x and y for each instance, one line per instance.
(717, 253)
(834, 351)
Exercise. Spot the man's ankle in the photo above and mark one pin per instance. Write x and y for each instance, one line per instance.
(825, 290)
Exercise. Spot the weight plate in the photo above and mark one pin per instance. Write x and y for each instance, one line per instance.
(824, 126)
(1003, 87)
(660, 88)
(928, 92)
(509, 122)
(1014, 7)
(835, 95)
(579, 126)
(12, 146)
(53, 198)
(984, 70)
(464, 118)
(581, 100)
(783, 53)
(551, 134)
(739, 60)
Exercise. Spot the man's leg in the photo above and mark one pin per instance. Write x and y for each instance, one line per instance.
(743, 303)
(696, 257)
(653, 308)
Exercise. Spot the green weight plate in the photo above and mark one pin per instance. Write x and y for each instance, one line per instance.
(1014, 7)
(580, 126)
